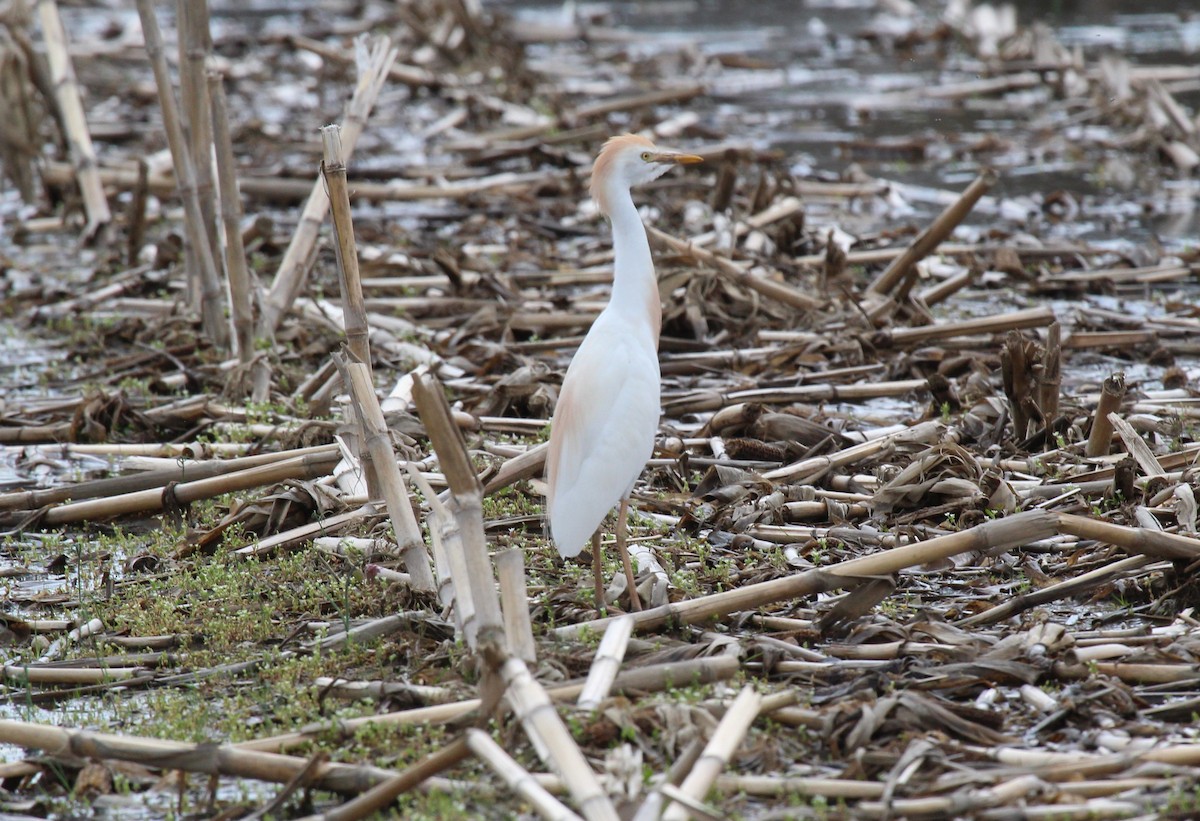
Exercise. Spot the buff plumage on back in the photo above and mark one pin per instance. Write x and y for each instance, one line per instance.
(603, 167)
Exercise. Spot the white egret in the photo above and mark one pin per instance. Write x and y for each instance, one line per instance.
(604, 424)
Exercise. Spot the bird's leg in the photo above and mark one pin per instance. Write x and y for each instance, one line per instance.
(622, 516)
(598, 572)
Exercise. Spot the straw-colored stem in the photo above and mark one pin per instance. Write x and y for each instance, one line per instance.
(1050, 381)
(260, 389)
(319, 388)
(733, 271)
(83, 631)
(18, 130)
(514, 601)
(135, 214)
(153, 500)
(771, 786)
(466, 614)
(211, 299)
(1000, 323)
(931, 237)
(727, 176)
(221, 759)
(175, 451)
(726, 738)
(533, 708)
(805, 470)
(467, 507)
(378, 690)
(439, 529)
(1020, 528)
(359, 458)
(1155, 543)
(607, 663)
(292, 269)
(312, 383)
(1136, 446)
(517, 777)
(480, 576)
(70, 104)
(309, 530)
(960, 805)
(367, 631)
(1082, 340)
(652, 807)
(184, 471)
(231, 218)
(1132, 673)
(526, 466)
(651, 678)
(1071, 587)
(195, 48)
(354, 310)
(1017, 385)
(1180, 755)
(948, 287)
(1100, 438)
(301, 779)
(699, 401)
(378, 443)
(69, 675)
(445, 435)
(384, 793)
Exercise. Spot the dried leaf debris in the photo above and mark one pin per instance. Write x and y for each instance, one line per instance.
(919, 538)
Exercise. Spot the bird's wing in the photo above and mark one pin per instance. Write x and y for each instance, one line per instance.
(602, 432)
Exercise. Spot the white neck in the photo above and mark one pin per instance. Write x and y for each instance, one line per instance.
(635, 289)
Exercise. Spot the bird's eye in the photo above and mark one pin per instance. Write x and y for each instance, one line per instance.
(646, 156)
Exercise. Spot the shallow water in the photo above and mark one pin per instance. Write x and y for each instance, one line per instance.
(823, 93)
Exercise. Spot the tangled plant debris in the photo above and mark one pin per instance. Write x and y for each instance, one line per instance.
(919, 537)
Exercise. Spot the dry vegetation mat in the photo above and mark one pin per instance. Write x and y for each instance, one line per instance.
(289, 299)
